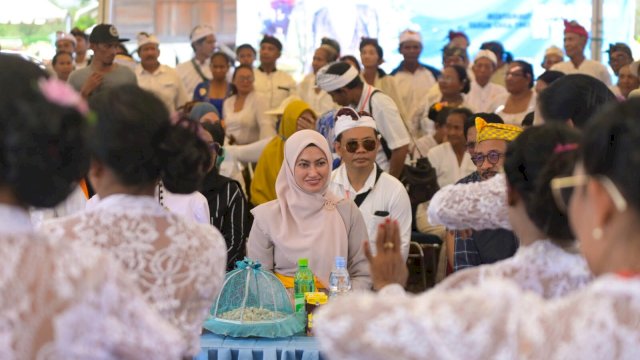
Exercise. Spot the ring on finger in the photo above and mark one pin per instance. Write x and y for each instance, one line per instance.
(388, 245)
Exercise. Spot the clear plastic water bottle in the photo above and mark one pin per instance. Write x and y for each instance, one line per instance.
(339, 281)
(303, 282)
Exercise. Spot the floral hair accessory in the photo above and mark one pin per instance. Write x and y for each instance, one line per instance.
(560, 148)
(60, 93)
(439, 105)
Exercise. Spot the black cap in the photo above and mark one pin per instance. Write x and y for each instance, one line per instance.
(105, 33)
(620, 47)
(268, 39)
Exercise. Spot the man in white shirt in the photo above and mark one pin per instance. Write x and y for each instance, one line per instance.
(197, 70)
(413, 79)
(271, 84)
(378, 195)
(484, 95)
(451, 159)
(160, 79)
(346, 88)
(575, 40)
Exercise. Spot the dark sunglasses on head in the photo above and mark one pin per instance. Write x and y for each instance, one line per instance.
(492, 156)
(353, 145)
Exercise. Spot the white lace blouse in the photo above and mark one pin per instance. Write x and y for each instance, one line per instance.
(495, 320)
(479, 205)
(70, 301)
(178, 264)
(541, 267)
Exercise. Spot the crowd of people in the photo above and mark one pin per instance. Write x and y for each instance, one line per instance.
(128, 190)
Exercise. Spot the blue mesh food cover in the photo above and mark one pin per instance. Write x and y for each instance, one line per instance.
(253, 302)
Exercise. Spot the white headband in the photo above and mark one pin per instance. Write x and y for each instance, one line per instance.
(410, 35)
(332, 82)
(346, 122)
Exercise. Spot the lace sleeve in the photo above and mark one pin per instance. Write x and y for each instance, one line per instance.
(478, 205)
(496, 321)
(110, 319)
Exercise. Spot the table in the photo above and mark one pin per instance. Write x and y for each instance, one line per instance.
(216, 347)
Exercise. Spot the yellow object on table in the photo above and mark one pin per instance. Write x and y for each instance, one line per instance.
(287, 281)
(313, 300)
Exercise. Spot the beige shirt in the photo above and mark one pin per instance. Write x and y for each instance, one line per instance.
(587, 67)
(274, 86)
(264, 248)
(190, 77)
(165, 84)
(320, 102)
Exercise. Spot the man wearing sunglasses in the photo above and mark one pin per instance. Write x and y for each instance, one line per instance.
(473, 248)
(343, 83)
(378, 195)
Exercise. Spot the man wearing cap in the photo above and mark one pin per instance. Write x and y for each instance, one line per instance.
(197, 70)
(484, 95)
(473, 248)
(619, 56)
(575, 40)
(81, 59)
(271, 84)
(157, 78)
(378, 195)
(346, 88)
(552, 56)
(413, 79)
(103, 73)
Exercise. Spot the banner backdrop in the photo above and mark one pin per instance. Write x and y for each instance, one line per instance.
(525, 27)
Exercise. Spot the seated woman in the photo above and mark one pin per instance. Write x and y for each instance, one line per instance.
(179, 265)
(454, 84)
(307, 220)
(521, 99)
(59, 300)
(204, 112)
(263, 186)
(216, 90)
(244, 111)
(227, 203)
(594, 323)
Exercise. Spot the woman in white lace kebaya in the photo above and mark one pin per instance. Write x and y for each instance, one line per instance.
(547, 261)
(178, 264)
(496, 319)
(59, 300)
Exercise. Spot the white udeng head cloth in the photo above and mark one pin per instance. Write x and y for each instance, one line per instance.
(332, 82)
(410, 35)
(346, 122)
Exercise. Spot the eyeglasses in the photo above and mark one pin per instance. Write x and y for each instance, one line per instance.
(245, 78)
(492, 156)
(353, 145)
(562, 189)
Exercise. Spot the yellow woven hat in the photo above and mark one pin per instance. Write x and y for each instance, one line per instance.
(492, 131)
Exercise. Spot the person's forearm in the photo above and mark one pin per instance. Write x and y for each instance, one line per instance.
(396, 163)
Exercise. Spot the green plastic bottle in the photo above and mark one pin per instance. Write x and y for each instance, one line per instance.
(302, 283)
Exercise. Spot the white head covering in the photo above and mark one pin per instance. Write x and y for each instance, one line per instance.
(145, 38)
(199, 32)
(554, 50)
(61, 36)
(346, 122)
(487, 54)
(303, 224)
(331, 82)
(410, 35)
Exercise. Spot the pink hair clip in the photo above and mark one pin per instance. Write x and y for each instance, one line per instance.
(560, 148)
(60, 93)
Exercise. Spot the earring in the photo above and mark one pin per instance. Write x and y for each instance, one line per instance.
(597, 233)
